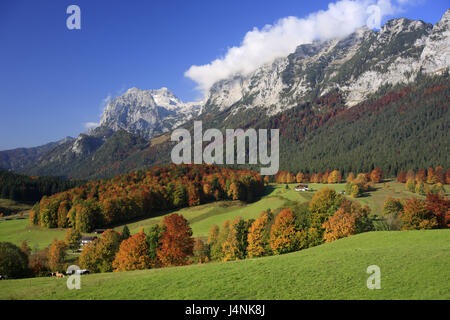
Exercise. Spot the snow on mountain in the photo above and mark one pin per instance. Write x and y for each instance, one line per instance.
(147, 112)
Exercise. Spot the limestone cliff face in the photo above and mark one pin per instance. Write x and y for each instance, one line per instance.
(358, 65)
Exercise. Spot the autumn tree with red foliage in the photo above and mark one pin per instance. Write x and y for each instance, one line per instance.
(440, 207)
(176, 244)
(401, 177)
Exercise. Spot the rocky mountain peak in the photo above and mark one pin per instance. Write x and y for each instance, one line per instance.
(146, 112)
(358, 65)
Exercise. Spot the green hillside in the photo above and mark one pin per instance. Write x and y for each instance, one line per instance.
(413, 265)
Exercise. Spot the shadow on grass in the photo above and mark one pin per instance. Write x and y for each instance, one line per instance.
(267, 190)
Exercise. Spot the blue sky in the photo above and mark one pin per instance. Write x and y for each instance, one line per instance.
(54, 80)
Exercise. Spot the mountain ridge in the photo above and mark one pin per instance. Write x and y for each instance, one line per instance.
(358, 66)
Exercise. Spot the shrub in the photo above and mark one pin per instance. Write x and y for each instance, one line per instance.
(392, 207)
(13, 261)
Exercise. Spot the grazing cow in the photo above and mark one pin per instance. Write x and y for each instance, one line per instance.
(59, 275)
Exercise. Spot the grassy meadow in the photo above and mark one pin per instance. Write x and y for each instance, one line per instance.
(414, 265)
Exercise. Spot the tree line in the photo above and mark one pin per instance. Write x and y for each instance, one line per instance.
(24, 188)
(144, 193)
(424, 182)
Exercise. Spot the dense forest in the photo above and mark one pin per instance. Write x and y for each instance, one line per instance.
(400, 128)
(30, 189)
(144, 193)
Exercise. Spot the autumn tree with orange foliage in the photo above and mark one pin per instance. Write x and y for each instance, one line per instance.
(350, 177)
(290, 178)
(258, 236)
(376, 175)
(56, 255)
(334, 177)
(348, 220)
(416, 216)
(340, 225)
(38, 263)
(284, 237)
(421, 176)
(176, 244)
(133, 254)
(431, 176)
(439, 175)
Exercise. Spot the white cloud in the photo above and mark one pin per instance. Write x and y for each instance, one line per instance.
(91, 125)
(261, 46)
